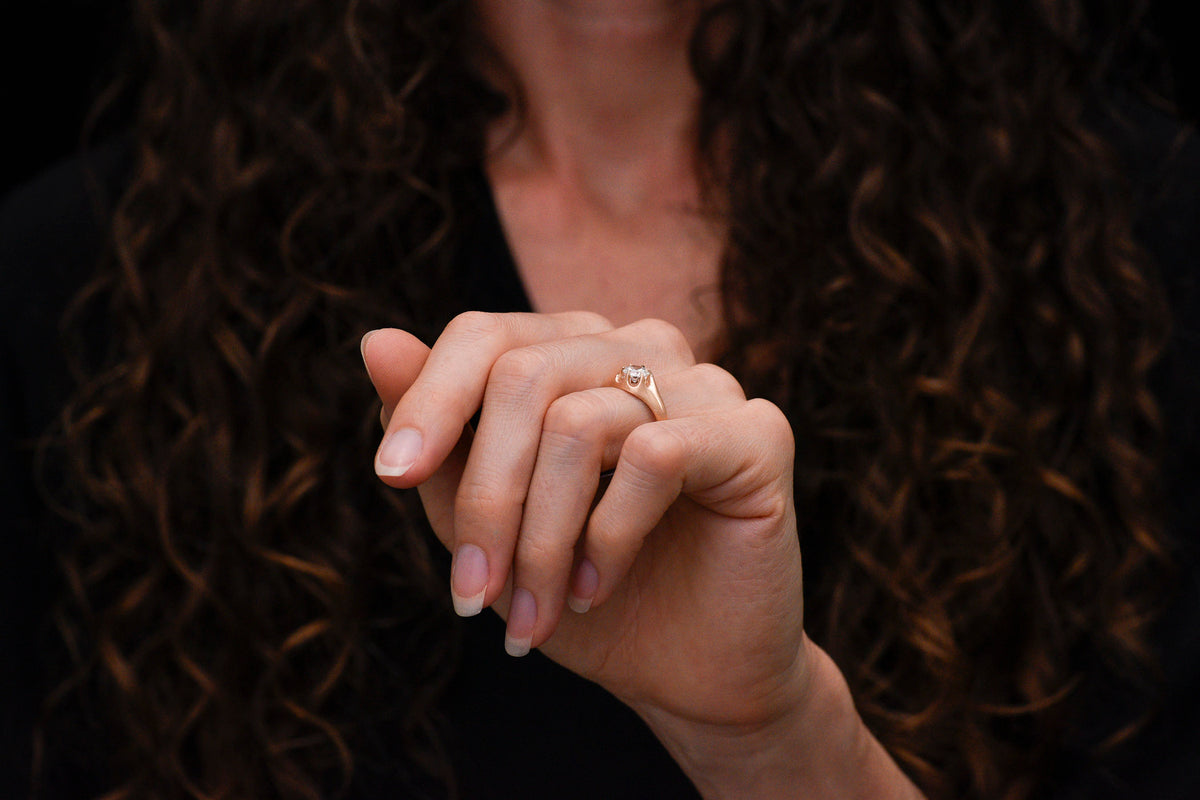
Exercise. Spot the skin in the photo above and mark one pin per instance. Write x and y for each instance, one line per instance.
(681, 591)
(595, 182)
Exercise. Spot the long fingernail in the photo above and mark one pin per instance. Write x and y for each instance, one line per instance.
(584, 584)
(398, 452)
(522, 615)
(468, 580)
(362, 348)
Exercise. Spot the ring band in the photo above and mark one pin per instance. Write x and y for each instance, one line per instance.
(639, 382)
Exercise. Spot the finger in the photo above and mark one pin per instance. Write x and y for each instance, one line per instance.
(582, 435)
(579, 429)
(393, 359)
(437, 496)
(522, 386)
(429, 418)
(736, 464)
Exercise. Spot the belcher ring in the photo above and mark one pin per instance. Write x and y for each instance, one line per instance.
(639, 382)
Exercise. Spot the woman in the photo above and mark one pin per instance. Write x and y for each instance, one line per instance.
(897, 223)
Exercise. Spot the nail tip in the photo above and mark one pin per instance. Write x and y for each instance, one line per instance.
(516, 648)
(468, 606)
(384, 471)
(578, 605)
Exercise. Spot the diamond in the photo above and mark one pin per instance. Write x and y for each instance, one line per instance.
(635, 374)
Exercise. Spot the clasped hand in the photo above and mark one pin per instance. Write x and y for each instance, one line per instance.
(684, 578)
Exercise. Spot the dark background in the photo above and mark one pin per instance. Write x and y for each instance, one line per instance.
(57, 57)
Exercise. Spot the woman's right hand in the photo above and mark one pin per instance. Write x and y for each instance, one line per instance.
(688, 566)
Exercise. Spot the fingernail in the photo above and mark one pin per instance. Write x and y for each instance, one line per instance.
(468, 580)
(584, 584)
(398, 452)
(522, 614)
(362, 348)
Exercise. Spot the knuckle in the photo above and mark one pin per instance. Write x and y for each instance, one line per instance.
(719, 381)
(435, 399)
(606, 537)
(776, 430)
(772, 419)
(476, 501)
(520, 368)
(475, 325)
(574, 417)
(536, 559)
(669, 338)
(655, 450)
(590, 321)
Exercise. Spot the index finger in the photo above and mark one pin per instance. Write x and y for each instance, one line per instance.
(393, 358)
(429, 418)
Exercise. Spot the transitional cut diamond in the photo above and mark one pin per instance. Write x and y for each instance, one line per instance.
(635, 374)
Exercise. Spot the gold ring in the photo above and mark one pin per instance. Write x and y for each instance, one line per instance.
(639, 382)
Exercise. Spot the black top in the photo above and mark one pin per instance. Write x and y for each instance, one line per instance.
(525, 727)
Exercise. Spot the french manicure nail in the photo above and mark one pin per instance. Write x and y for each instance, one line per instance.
(398, 452)
(522, 615)
(468, 580)
(584, 584)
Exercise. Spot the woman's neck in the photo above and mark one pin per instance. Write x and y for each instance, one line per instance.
(594, 171)
(607, 98)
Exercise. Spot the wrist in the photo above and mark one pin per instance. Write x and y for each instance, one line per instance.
(812, 744)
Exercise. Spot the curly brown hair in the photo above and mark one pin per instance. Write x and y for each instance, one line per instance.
(930, 267)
